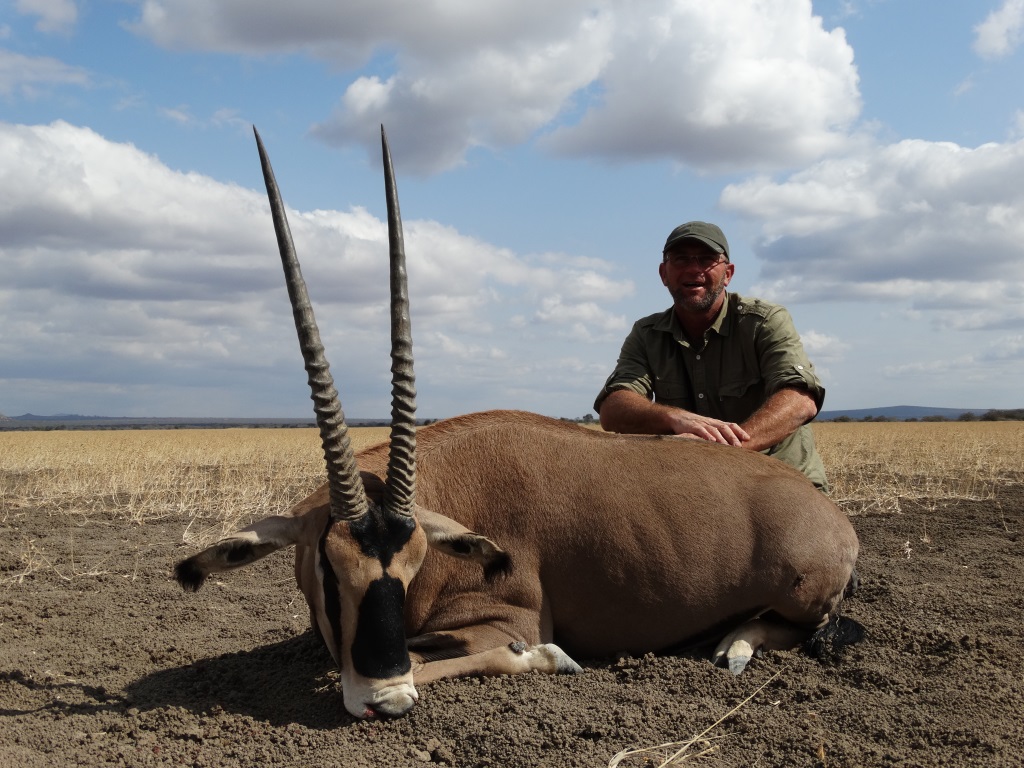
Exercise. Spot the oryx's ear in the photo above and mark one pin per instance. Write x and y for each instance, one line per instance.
(375, 487)
(240, 548)
(446, 535)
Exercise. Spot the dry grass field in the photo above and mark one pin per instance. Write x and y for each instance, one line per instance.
(104, 661)
(216, 478)
(220, 478)
(873, 466)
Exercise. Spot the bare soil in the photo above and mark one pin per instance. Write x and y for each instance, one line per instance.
(104, 661)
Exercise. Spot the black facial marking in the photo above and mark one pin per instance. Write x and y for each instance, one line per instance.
(329, 584)
(381, 534)
(379, 650)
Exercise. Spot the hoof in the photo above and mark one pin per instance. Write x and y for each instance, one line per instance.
(738, 663)
(555, 660)
(734, 657)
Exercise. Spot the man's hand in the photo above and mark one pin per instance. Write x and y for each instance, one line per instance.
(695, 426)
(628, 412)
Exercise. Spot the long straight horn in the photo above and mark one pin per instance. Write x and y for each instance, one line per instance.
(348, 496)
(401, 482)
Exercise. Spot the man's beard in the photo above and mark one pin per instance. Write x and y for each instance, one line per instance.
(691, 304)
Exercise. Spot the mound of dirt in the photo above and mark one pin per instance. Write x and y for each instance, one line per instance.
(104, 661)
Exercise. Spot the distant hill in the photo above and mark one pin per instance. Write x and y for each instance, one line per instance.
(900, 413)
(58, 417)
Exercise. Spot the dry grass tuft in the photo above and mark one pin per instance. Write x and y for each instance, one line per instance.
(679, 752)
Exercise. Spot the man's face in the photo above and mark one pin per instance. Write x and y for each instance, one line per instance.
(695, 275)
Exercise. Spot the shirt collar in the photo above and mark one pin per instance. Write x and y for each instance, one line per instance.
(722, 325)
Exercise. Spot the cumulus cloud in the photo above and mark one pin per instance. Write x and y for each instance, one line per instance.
(710, 85)
(442, 105)
(581, 322)
(1001, 31)
(135, 275)
(720, 85)
(932, 223)
(26, 75)
(54, 15)
(823, 346)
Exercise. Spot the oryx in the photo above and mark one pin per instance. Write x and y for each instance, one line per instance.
(606, 543)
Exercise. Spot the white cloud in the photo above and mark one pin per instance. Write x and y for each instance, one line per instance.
(54, 15)
(137, 276)
(581, 322)
(25, 75)
(935, 224)
(1017, 128)
(823, 346)
(710, 85)
(1007, 347)
(1001, 31)
(931, 367)
(721, 85)
(495, 96)
(178, 115)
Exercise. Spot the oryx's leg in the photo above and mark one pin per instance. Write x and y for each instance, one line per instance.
(811, 602)
(483, 650)
(512, 659)
(737, 648)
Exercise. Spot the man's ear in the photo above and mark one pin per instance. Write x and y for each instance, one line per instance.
(730, 269)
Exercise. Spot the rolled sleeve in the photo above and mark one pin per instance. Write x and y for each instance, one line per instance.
(784, 363)
(632, 370)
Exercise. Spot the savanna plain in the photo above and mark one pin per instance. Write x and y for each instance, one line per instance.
(105, 661)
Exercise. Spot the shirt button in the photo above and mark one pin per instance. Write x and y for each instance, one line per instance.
(698, 357)
(701, 395)
(799, 367)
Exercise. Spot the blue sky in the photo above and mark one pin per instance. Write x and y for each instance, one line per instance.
(863, 156)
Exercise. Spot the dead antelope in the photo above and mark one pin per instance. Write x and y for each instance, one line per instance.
(606, 543)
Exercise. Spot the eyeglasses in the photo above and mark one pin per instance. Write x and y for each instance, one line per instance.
(702, 260)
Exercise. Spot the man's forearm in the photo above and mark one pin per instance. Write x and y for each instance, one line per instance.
(780, 416)
(631, 413)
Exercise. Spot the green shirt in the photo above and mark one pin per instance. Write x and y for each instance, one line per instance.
(751, 351)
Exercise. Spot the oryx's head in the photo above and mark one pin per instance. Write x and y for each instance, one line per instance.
(373, 544)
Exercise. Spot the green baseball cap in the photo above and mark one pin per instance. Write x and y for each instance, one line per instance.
(709, 234)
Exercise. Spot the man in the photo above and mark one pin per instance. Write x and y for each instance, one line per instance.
(717, 366)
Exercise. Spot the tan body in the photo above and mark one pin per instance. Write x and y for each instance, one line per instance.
(618, 543)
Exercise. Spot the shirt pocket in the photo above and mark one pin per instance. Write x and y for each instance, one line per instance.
(740, 397)
(672, 392)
